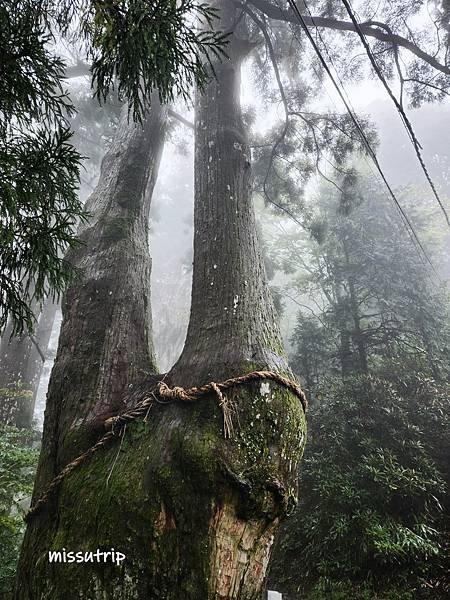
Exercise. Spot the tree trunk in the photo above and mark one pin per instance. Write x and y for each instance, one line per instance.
(358, 335)
(21, 362)
(105, 341)
(345, 351)
(433, 364)
(42, 340)
(15, 390)
(232, 330)
(194, 513)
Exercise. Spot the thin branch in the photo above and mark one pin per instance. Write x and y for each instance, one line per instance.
(271, 52)
(181, 119)
(41, 354)
(398, 105)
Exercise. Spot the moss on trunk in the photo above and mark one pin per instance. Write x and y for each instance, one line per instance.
(195, 514)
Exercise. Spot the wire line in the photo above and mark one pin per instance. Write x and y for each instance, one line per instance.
(411, 231)
(406, 122)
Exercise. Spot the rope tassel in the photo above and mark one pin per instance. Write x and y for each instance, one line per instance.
(227, 407)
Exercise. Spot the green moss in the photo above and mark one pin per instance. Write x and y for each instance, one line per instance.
(153, 494)
(269, 443)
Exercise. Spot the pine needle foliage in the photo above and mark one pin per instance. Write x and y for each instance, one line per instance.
(136, 45)
(39, 168)
(166, 46)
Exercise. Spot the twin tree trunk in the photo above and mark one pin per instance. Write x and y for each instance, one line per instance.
(194, 513)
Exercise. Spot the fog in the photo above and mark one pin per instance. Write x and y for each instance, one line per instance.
(172, 206)
(325, 475)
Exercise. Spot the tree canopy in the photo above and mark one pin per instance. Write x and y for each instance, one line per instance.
(138, 47)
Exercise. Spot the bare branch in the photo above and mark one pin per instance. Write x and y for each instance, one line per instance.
(370, 29)
(181, 119)
(41, 354)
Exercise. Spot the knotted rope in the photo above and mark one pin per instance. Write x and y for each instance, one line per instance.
(116, 425)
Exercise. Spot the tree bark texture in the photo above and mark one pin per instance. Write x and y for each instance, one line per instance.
(233, 329)
(105, 341)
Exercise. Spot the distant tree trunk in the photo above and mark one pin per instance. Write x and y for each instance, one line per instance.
(345, 351)
(195, 513)
(358, 335)
(309, 374)
(21, 362)
(15, 392)
(431, 357)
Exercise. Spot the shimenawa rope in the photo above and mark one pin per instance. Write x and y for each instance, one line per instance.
(117, 424)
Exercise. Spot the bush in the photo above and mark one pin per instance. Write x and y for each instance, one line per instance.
(18, 460)
(373, 489)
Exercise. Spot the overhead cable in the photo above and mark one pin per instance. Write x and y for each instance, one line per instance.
(411, 231)
(406, 122)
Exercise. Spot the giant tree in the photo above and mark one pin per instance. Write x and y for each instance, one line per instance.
(202, 510)
(193, 501)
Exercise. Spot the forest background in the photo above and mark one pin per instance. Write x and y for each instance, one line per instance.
(363, 315)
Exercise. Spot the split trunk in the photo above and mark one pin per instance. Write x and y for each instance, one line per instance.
(194, 513)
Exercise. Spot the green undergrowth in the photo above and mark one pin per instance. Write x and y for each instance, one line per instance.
(18, 460)
(374, 495)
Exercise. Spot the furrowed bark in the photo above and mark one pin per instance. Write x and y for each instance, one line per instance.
(105, 344)
(105, 341)
(233, 329)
